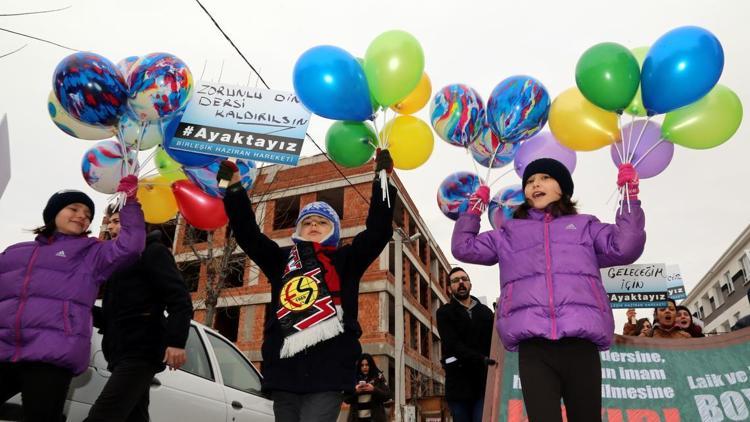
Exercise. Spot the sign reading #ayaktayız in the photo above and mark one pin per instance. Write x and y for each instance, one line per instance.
(243, 122)
(675, 284)
(636, 286)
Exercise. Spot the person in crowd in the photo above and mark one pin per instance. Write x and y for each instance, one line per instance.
(465, 327)
(629, 329)
(47, 289)
(309, 352)
(685, 322)
(553, 308)
(665, 323)
(643, 327)
(138, 339)
(366, 403)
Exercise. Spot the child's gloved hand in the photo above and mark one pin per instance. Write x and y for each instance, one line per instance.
(227, 171)
(129, 185)
(479, 200)
(383, 161)
(627, 175)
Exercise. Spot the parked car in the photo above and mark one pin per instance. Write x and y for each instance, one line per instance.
(218, 383)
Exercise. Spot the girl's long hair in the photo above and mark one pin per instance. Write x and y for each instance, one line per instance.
(373, 372)
(563, 206)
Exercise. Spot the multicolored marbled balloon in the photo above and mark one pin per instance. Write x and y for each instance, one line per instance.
(159, 84)
(126, 64)
(66, 123)
(129, 131)
(104, 165)
(90, 88)
(456, 114)
(518, 108)
(504, 204)
(205, 177)
(487, 144)
(454, 192)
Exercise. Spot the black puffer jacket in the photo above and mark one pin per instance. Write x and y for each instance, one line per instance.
(465, 345)
(328, 365)
(132, 315)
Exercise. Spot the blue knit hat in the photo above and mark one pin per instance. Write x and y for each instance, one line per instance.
(324, 210)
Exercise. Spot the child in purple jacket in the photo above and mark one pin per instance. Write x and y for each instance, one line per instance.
(553, 308)
(47, 289)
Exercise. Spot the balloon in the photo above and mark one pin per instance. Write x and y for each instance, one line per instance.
(681, 67)
(331, 83)
(635, 108)
(159, 85)
(504, 204)
(74, 127)
(488, 144)
(167, 167)
(394, 63)
(156, 198)
(608, 75)
(416, 99)
(580, 125)
(186, 158)
(201, 211)
(457, 114)
(409, 140)
(518, 108)
(351, 144)
(126, 64)
(453, 193)
(104, 164)
(90, 88)
(129, 131)
(205, 177)
(543, 145)
(648, 158)
(707, 123)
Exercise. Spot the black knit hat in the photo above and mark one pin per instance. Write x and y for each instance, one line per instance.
(62, 199)
(554, 169)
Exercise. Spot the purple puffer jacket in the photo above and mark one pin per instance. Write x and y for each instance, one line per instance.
(549, 271)
(48, 286)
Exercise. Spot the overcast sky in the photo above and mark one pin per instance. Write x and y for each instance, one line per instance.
(694, 210)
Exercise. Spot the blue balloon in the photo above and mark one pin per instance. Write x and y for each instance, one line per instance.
(518, 108)
(681, 67)
(187, 159)
(331, 83)
(205, 177)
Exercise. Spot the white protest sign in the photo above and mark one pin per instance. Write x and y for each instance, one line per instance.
(636, 286)
(675, 284)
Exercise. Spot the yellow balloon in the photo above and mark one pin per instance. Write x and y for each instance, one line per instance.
(580, 125)
(416, 99)
(157, 200)
(409, 140)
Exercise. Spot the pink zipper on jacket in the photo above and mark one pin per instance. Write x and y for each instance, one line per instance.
(548, 259)
(22, 302)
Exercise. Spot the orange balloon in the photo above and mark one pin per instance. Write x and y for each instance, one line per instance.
(416, 99)
(580, 125)
(156, 198)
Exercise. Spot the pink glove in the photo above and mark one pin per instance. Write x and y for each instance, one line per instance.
(479, 200)
(628, 176)
(129, 185)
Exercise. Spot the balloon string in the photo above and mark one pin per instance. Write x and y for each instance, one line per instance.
(500, 177)
(476, 169)
(648, 152)
(638, 141)
(492, 159)
(622, 145)
(630, 132)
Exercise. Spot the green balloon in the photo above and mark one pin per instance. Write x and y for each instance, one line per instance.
(394, 63)
(706, 123)
(635, 108)
(608, 75)
(351, 144)
(167, 167)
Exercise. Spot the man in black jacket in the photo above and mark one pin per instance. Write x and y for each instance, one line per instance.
(138, 339)
(311, 337)
(465, 327)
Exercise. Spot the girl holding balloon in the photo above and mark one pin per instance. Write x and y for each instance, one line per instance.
(47, 289)
(553, 308)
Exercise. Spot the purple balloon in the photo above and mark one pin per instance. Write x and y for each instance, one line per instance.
(543, 145)
(649, 160)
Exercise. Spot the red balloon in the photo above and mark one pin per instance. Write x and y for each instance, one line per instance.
(199, 209)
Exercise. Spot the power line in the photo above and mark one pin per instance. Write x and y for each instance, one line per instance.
(37, 12)
(14, 51)
(268, 87)
(39, 39)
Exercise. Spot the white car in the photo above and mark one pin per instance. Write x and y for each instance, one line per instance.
(218, 383)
